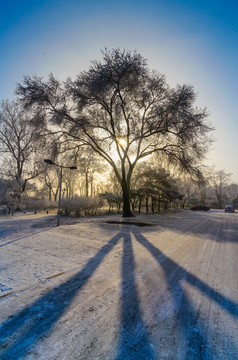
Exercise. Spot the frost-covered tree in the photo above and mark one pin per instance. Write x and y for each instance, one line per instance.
(220, 181)
(19, 145)
(124, 112)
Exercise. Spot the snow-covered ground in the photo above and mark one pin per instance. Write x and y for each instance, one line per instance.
(91, 290)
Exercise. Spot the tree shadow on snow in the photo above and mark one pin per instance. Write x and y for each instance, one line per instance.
(219, 228)
(23, 237)
(134, 340)
(192, 328)
(19, 334)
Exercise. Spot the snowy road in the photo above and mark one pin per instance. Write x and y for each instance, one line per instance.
(91, 290)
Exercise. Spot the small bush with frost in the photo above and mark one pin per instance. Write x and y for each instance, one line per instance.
(80, 204)
(39, 204)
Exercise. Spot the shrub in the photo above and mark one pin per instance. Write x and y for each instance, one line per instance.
(38, 204)
(79, 204)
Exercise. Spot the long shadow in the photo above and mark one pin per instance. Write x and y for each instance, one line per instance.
(134, 340)
(218, 228)
(19, 334)
(24, 237)
(196, 338)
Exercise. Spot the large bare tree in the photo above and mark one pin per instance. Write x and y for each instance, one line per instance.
(19, 145)
(124, 112)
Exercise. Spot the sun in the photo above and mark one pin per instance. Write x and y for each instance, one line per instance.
(122, 142)
(118, 148)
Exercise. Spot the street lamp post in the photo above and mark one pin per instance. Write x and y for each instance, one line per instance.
(50, 162)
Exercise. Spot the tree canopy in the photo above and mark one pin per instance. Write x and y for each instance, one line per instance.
(124, 112)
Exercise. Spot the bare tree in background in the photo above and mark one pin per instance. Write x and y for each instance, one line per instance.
(220, 181)
(19, 145)
(120, 108)
(90, 165)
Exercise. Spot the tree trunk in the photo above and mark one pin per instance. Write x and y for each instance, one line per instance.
(126, 200)
(86, 183)
(91, 186)
(18, 191)
(18, 201)
(133, 205)
(152, 204)
(159, 204)
(56, 194)
(49, 193)
(118, 207)
(147, 204)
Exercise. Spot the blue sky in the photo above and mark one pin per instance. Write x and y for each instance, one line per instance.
(194, 42)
